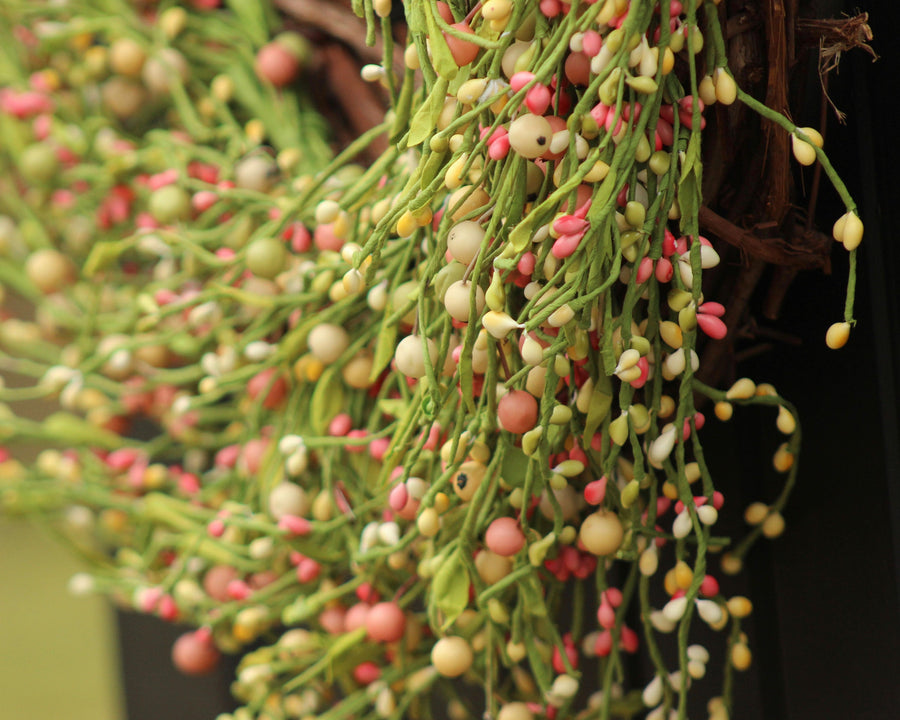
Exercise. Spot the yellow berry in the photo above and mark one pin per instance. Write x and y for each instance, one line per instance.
(684, 576)
(670, 583)
(783, 459)
(756, 513)
(725, 86)
(496, 9)
(730, 564)
(406, 225)
(441, 502)
(741, 657)
(814, 136)
(724, 410)
(773, 525)
(602, 533)
(742, 389)
(739, 606)
(786, 423)
(804, 152)
(838, 335)
(515, 711)
(853, 231)
(452, 656)
(428, 522)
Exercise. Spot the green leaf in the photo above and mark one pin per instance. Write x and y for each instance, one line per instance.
(534, 596)
(603, 198)
(252, 17)
(415, 18)
(424, 121)
(327, 400)
(75, 430)
(539, 666)
(444, 64)
(688, 200)
(433, 165)
(691, 156)
(601, 401)
(689, 186)
(395, 407)
(102, 255)
(385, 347)
(520, 235)
(450, 589)
(514, 467)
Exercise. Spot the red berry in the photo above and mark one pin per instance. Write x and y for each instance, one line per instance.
(276, 64)
(504, 537)
(356, 616)
(216, 581)
(517, 411)
(270, 385)
(463, 51)
(195, 654)
(385, 622)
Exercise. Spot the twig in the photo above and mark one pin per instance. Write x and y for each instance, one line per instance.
(359, 104)
(834, 37)
(338, 21)
(812, 253)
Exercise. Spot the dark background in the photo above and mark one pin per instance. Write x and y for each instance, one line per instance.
(825, 632)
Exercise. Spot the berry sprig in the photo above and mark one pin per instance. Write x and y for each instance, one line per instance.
(392, 414)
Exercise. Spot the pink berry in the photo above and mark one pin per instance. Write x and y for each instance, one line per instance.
(709, 587)
(538, 99)
(595, 491)
(269, 387)
(571, 654)
(386, 622)
(308, 570)
(332, 620)
(463, 51)
(276, 64)
(367, 593)
(216, 581)
(356, 616)
(606, 616)
(504, 537)
(295, 525)
(629, 640)
(194, 653)
(398, 497)
(517, 411)
(613, 596)
(520, 80)
(712, 326)
(366, 673)
(603, 645)
(340, 425)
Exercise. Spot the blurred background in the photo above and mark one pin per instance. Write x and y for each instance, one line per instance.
(58, 654)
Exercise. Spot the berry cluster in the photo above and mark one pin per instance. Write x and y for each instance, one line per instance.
(370, 426)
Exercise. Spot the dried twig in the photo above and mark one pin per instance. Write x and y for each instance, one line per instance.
(833, 38)
(338, 21)
(807, 251)
(359, 104)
